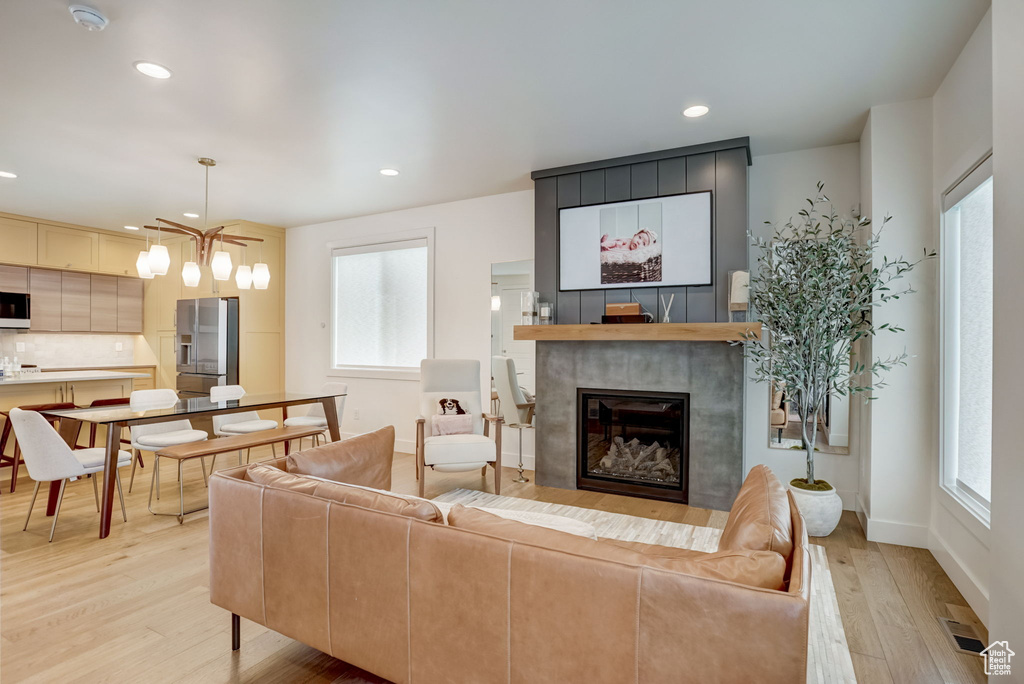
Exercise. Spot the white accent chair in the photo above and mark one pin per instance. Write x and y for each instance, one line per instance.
(455, 379)
(49, 458)
(243, 423)
(515, 411)
(155, 436)
(316, 417)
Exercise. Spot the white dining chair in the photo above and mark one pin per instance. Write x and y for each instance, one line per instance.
(243, 423)
(155, 436)
(515, 410)
(49, 459)
(316, 417)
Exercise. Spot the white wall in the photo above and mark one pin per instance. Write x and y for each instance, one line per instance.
(860, 437)
(1007, 574)
(779, 184)
(470, 235)
(962, 135)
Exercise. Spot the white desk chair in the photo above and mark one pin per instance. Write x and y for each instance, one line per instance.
(243, 423)
(315, 417)
(49, 458)
(516, 411)
(156, 436)
(460, 380)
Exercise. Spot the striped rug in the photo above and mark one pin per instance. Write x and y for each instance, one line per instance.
(828, 656)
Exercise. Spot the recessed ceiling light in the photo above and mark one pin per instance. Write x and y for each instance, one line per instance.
(189, 214)
(389, 172)
(153, 70)
(131, 227)
(8, 174)
(695, 111)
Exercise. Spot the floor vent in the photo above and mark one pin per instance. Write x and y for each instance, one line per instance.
(964, 638)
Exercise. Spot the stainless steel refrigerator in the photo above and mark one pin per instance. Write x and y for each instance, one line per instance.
(206, 344)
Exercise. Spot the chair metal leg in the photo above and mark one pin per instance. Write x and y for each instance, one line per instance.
(181, 493)
(120, 494)
(248, 453)
(136, 459)
(202, 462)
(273, 449)
(521, 478)
(56, 512)
(31, 505)
(239, 457)
(96, 491)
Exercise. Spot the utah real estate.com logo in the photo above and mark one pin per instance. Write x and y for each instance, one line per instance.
(997, 658)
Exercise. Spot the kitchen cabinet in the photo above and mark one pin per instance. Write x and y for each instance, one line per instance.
(75, 302)
(14, 279)
(19, 239)
(103, 300)
(129, 305)
(118, 254)
(68, 248)
(45, 290)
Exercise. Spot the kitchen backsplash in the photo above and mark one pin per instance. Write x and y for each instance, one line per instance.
(68, 350)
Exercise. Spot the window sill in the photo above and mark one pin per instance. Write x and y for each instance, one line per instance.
(405, 374)
(967, 512)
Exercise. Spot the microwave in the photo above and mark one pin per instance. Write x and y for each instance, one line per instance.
(15, 310)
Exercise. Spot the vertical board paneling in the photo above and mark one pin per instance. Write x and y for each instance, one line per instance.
(648, 298)
(567, 307)
(569, 190)
(545, 222)
(567, 304)
(616, 184)
(672, 176)
(618, 296)
(592, 187)
(700, 175)
(643, 180)
(591, 306)
(730, 223)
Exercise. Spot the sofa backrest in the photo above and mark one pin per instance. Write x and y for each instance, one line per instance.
(760, 519)
(414, 601)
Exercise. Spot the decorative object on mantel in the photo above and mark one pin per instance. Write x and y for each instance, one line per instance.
(547, 313)
(814, 289)
(528, 301)
(667, 306)
(156, 260)
(739, 295)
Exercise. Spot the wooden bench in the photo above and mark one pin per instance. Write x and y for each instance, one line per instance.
(213, 447)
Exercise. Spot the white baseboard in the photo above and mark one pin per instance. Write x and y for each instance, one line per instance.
(968, 583)
(889, 532)
(862, 514)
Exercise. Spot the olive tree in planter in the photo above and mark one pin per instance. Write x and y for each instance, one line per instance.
(813, 289)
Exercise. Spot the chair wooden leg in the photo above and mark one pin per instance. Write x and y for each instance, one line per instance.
(483, 472)
(32, 504)
(92, 436)
(16, 465)
(236, 632)
(96, 491)
(137, 460)
(206, 480)
(56, 512)
(273, 449)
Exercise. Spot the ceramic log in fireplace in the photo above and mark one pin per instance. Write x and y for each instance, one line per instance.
(634, 443)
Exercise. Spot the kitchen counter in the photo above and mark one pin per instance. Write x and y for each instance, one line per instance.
(68, 376)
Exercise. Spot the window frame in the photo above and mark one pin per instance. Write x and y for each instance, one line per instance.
(957, 497)
(364, 243)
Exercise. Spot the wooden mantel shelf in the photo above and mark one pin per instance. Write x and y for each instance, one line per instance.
(651, 332)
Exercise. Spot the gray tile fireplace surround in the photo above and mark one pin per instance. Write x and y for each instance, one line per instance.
(712, 372)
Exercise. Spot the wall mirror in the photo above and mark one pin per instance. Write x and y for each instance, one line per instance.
(784, 429)
(509, 280)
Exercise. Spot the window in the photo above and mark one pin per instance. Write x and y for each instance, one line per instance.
(967, 339)
(381, 307)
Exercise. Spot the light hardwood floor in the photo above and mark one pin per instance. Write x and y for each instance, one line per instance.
(135, 606)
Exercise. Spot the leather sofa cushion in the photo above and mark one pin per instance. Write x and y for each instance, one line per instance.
(760, 519)
(361, 460)
(389, 502)
(754, 568)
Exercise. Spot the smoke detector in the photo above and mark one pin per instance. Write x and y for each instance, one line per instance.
(88, 17)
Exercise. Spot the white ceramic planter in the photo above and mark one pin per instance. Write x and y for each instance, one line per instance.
(821, 510)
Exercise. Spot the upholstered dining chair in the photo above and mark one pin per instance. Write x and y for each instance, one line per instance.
(458, 380)
(516, 412)
(155, 436)
(49, 459)
(243, 423)
(15, 459)
(316, 417)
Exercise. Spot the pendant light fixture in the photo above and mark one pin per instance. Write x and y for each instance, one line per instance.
(142, 263)
(221, 262)
(190, 273)
(243, 274)
(260, 273)
(159, 257)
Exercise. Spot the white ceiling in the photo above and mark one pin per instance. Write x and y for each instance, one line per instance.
(301, 102)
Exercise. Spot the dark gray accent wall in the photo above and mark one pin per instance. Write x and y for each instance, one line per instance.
(720, 167)
(712, 372)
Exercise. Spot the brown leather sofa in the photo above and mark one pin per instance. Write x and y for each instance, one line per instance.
(417, 601)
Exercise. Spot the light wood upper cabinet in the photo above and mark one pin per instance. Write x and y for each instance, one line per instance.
(19, 239)
(45, 290)
(13, 279)
(118, 254)
(104, 303)
(68, 248)
(129, 305)
(75, 302)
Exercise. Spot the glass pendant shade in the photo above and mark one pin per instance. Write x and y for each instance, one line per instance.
(221, 265)
(159, 259)
(142, 265)
(260, 276)
(243, 277)
(190, 274)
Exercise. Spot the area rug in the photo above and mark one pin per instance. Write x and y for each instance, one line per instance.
(828, 655)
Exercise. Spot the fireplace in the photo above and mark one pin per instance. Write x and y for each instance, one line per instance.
(633, 442)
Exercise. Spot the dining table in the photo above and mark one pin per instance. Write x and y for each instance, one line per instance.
(120, 416)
